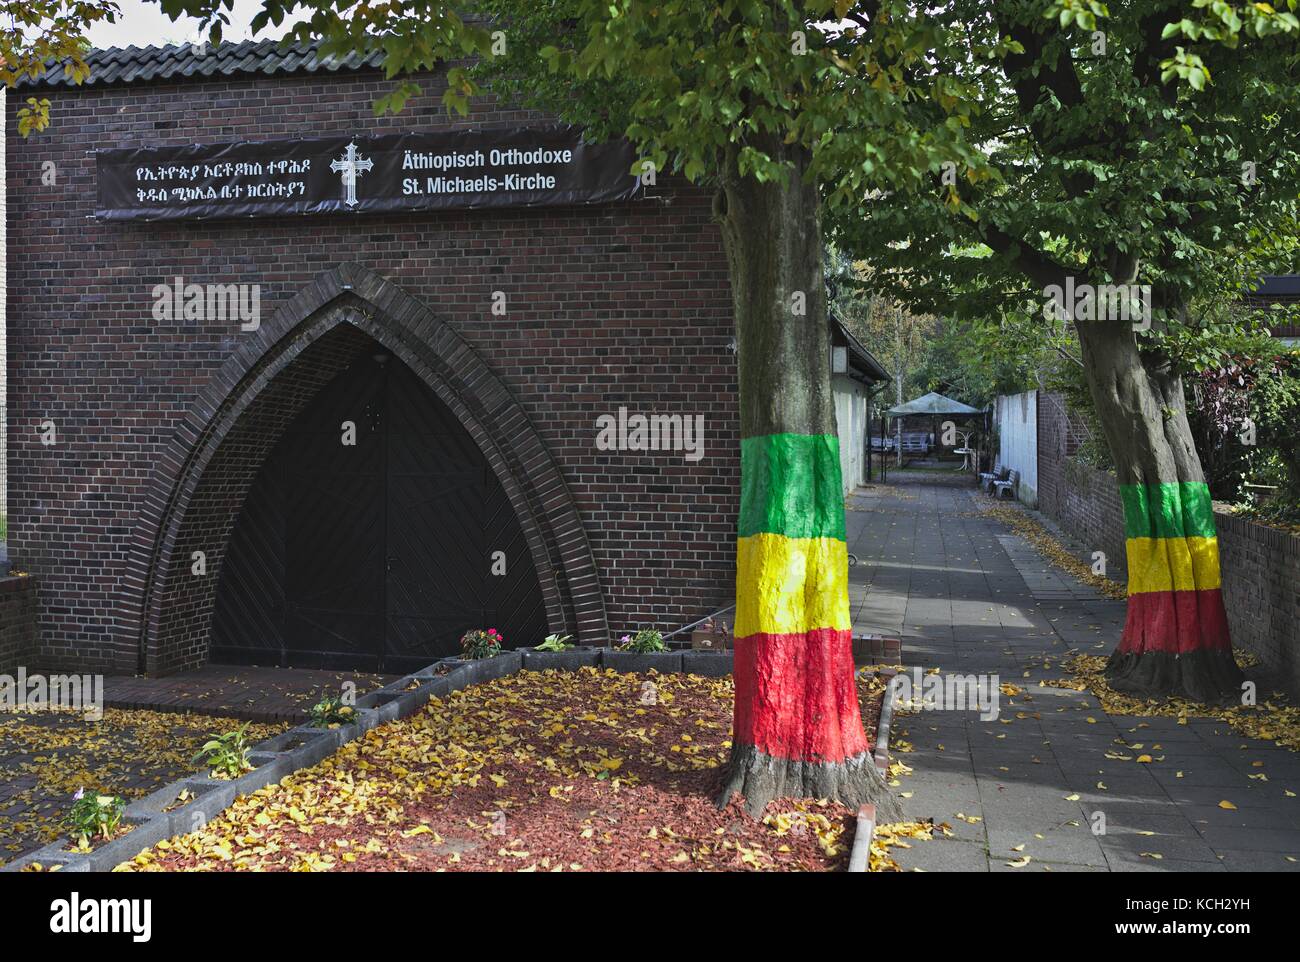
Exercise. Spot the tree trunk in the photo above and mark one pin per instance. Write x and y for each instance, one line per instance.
(796, 728)
(1176, 640)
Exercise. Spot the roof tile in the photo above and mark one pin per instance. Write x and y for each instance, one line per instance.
(142, 64)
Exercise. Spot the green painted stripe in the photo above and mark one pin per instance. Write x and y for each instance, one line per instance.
(1179, 509)
(790, 485)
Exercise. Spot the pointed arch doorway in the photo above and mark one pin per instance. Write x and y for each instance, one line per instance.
(373, 537)
(202, 477)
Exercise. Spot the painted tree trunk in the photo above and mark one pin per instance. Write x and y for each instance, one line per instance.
(1176, 639)
(797, 729)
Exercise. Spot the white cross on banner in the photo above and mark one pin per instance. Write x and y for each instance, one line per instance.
(350, 165)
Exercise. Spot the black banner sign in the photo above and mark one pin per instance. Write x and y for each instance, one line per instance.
(530, 167)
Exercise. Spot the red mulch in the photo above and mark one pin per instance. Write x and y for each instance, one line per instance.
(537, 771)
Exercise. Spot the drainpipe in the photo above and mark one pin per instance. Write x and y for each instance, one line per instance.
(872, 395)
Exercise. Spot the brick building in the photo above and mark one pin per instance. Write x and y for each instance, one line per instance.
(177, 488)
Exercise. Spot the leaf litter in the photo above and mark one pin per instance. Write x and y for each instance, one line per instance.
(537, 771)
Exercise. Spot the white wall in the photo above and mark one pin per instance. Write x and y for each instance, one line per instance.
(851, 421)
(1017, 421)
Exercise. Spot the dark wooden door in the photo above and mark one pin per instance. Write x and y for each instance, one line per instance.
(377, 555)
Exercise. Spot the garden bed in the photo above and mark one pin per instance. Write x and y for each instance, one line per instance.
(535, 771)
(45, 757)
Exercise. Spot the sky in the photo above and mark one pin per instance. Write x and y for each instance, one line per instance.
(143, 23)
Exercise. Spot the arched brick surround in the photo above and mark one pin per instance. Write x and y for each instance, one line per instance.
(200, 482)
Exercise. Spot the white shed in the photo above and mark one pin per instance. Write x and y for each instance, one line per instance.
(855, 376)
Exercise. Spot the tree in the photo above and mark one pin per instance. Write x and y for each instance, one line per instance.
(39, 32)
(1139, 156)
(783, 119)
(752, 100)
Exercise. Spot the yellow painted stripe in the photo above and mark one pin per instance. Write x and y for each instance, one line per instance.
(1172, 564)
(790, 585)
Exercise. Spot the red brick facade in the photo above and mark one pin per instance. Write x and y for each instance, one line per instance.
(161, 425)
(1083, 500)
(17, 623)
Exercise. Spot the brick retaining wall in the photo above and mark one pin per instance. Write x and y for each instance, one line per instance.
(17, 623)
(1088, 506)
(1261, 588)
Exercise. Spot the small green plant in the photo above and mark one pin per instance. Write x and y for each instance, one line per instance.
(477, 643)
(94, 814)
(554, 643)
(331, 710)
(645, 641)
(226, 755)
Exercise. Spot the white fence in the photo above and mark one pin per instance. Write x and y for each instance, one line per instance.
(1017, 421)
(851, 420)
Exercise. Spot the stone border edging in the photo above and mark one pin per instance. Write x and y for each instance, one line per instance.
(860, 854)
(273, 761)
(881, 753)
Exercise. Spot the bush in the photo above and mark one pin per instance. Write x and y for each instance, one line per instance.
(94, 814)
(477, 643)
(554, 643)
(645, 641)
(1244, 415)
(331, 710)
(227, 755)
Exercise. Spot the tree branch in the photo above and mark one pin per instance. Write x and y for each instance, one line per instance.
(1035, 265)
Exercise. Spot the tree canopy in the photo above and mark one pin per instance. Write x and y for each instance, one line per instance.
(1153, 140)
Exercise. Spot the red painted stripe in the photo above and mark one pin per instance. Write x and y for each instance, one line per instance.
(1176, 622)
(796, 696)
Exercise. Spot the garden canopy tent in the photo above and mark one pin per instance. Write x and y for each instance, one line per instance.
(932, 403)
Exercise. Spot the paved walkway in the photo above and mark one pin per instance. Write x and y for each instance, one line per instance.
(45, 757)
(968, 596)
(246, 693)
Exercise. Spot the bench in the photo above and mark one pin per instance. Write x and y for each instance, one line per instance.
(988, 477)
(916, 442)
(1009, 486)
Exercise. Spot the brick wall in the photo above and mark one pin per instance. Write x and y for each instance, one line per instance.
(1090, 509)
(1261, 589)
(624, 304)
(17, 624)
(1057, 440)
(1083, 500)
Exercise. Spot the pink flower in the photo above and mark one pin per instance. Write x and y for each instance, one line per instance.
(492, 631)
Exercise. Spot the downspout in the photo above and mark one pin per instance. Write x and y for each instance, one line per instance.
(872, 395)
